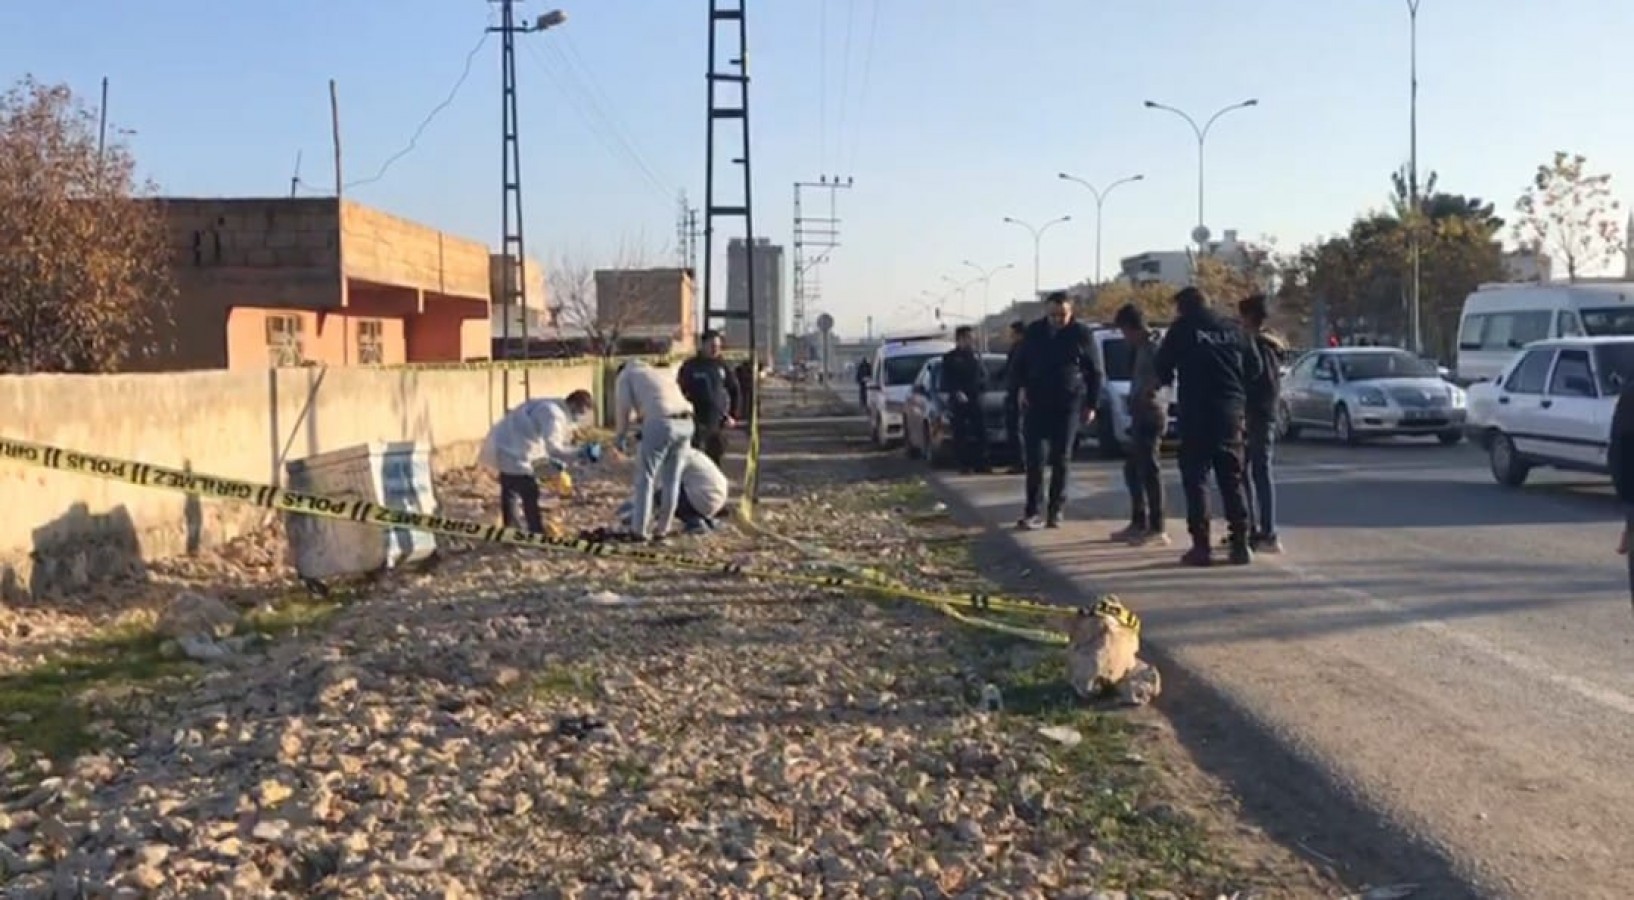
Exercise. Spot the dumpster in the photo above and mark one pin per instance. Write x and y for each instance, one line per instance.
(395, 474)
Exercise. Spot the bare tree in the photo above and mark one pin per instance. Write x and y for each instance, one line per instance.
(609, 306)
(1570, 214)
(84, 278)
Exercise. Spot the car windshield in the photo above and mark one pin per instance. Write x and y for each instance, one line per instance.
(1394, 364)
(904, 369)
(1615, 363)
(1118, 359)
(1608, 321)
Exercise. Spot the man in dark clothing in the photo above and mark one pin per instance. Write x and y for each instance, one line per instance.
(1053, 375)
(1620, 460)
(865, 372)
(964, 380)
(1263, 395)
(1012, 407)
(745, 399)
(712, 390)
(1215, 364)
(1148, 418)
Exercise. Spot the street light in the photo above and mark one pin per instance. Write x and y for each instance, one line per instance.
(987, 282)
(955, 286)
(1100, 201)
(1200, 233)
(1412, 173)
(1038, 235)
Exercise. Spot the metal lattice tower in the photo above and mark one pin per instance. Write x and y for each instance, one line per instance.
(733, 107)
(814, 239)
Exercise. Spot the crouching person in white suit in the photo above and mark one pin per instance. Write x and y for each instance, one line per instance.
(704, 491)
(536, 435)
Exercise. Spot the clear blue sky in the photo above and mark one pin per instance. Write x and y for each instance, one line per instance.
(967, 111)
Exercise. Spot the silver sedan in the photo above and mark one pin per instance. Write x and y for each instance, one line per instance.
(1363, 392)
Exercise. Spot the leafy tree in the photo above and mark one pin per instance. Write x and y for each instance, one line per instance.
(84, 279)
(1570, 214)
(1155, 299)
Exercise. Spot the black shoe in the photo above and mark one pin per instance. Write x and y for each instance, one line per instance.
(1199, 556)
(1240, 555)
(1053, 520)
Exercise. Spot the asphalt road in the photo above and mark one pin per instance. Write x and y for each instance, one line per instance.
(1457, 654)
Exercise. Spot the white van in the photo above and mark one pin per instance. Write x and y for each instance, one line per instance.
(897, 362)
(1500, 319)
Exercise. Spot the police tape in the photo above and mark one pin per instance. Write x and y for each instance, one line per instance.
(552, 362)
(272, 497)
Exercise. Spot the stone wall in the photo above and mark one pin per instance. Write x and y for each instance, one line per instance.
(61, 531)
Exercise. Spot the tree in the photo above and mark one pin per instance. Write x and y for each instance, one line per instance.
(84, 278)
(608, 306)
(1570, 214)
(1154, 298)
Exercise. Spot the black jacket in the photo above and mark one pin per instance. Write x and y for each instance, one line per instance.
(963, 372)
(865, 371)
(1620, 455)
(710, 386)
(1264, 391)
(1057, 366)
(1215, 362)
(1010, 357)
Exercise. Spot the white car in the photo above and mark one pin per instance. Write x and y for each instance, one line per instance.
(1113, 425)
(896, 365)
(1553, 405)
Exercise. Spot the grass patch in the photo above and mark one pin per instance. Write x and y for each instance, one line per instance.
(51, 710)
(296, 613)
(562, 682)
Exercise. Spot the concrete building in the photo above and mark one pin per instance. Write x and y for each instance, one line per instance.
(535, 317)
(1527, 265)
(769, 283)
(654, 305)
(1174, 266)
(266, 282)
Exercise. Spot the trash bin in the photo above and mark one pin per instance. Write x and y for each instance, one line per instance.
(395, 474)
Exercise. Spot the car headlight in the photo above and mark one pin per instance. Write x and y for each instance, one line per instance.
(1371, 397)
(1457, 398)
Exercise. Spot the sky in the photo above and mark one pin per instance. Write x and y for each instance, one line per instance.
(950, 115)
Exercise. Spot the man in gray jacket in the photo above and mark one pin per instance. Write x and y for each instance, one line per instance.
(1142, 469)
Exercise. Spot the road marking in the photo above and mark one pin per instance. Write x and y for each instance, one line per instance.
(1582, 687)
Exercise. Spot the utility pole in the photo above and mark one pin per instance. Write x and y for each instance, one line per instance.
(513, 249)
(734, 72)
(819, 234)
(1413, 248)
(1100, 202)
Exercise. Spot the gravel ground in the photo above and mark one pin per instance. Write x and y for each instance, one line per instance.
(523, 724)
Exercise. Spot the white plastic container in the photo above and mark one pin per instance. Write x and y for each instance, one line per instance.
(396, 475)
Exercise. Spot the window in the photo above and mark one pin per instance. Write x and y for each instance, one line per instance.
(371, 342)
(1117, 359)
(1608, 321)
(903, 369)
(1572, 377)
(1504, 331)
(1531, 373)
(1325, 369)
(1569, 324)
(1302, 369)
(1615, 363)
(284, 341)
(1388, 364)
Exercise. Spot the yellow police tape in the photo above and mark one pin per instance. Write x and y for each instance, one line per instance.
(553, 362)
(268, 496)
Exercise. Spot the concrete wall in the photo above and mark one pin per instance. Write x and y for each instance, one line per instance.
(387, 249)
(61, 531)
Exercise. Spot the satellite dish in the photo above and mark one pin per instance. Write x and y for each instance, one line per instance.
(825, 323)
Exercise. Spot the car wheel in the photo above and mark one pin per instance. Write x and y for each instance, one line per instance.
(1449, 438)
(1507, 466)
(1286, 429)
(1106, 436)
(1342, 427)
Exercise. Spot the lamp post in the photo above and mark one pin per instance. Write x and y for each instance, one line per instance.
(955, 286)
(986, 278)
(1038, 236)
(1200, 233)
(1100, 201)
(1412, 174)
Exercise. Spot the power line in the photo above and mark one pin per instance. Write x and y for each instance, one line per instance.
(867, 71)
(571, 51)
(845, 79)
(470, 59)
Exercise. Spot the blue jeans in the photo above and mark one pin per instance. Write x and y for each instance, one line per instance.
(1262, 489)
(658, 468)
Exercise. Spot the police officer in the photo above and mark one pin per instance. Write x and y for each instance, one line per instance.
(1012, 408)
(964, 381)
(1054, 375)
(1620, 460)
(1215, 362)
(712, 390)
(865, 371)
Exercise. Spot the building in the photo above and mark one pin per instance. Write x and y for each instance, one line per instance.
(651, 305)
(768, 259)
(1527, 265)
(535, 318)
(1174, 266)
(318, 281)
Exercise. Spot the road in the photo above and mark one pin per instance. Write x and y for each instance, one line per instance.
(1459, 655)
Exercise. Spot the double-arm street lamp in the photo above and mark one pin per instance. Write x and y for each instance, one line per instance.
(985, 276)
(1038, 237)
(1100, 201)
(1200, 233)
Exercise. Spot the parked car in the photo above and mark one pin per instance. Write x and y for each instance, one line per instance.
(897, 362)
(1499, 319)
(927, 423)
(1113, 426)
(1553, 406)
(1364, 392)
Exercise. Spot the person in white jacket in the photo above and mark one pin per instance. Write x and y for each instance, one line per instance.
(704, 491)
(536, 433)
(648, 398)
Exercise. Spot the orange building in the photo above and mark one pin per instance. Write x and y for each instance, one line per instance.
(285, 282)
